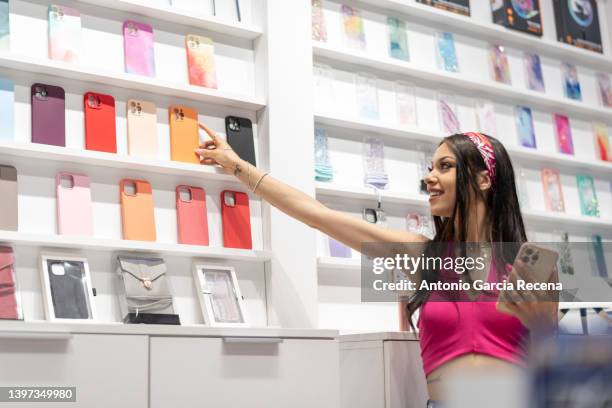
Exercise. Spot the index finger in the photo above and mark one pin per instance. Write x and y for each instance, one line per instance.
(208, 130)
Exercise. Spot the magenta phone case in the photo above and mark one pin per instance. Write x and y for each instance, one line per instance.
(138, 48)
(74, 213)
(48, 115)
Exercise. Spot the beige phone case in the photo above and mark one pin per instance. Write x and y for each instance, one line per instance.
(142, 129)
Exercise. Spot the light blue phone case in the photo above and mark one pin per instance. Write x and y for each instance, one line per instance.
(7, 110)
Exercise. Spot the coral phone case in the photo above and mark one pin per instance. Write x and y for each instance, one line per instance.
(48, 115)
(8, 198)
(137, 212)
(138, 48)
(236, 218)
(64, 33)
(184, 138)
(192, 220)
(240, 137)
(7, 111)
(9, 305)
(100, 131)
(74, 211)
(602, 141)
(553, 194)
(201, 61)
(142, 128)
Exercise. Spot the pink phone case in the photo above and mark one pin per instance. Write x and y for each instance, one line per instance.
(74, 213)
(138, 48)
(563, 132)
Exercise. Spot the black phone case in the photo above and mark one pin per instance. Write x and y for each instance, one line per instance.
(240, 137)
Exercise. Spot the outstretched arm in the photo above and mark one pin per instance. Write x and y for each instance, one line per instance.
(293, 202)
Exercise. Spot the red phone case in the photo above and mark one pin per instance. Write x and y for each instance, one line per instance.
(100, 131)
(191, 217)
(236, 221)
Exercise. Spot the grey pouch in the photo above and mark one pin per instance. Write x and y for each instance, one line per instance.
(146, 286)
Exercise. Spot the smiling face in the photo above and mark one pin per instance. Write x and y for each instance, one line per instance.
(441, 182)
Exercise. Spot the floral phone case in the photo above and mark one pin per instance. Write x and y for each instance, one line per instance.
(566, 264)
(498, 62)
(354, 34)
(485, 113)
(201, 61)
(319, 29)
(589, 205)
(553, 195)
(323, 167)
(571, 83)
(398, 39)
(563, 132)
(405, 103)
(64, 33)
(533, 68)
(449, 121)
(374, 163)
(605, 89)
(367, 95)
(446, 56)
(524, 127)
(138, 48)
(5, 43)
(602, 141)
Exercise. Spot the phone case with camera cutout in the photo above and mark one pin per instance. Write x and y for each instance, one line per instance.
(100, 130)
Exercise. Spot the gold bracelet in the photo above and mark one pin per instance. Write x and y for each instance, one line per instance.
(259, 181)
(249, 175)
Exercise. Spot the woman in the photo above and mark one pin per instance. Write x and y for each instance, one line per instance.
(473, 198)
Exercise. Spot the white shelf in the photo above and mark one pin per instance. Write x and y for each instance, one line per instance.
(100, 244)
(493, 32)
(362, 193)
(128, 81)
(584, 305)
(329, 262)
(438, 79)
(43, 330)
(90, 158)
(182, 17)
(519, 153)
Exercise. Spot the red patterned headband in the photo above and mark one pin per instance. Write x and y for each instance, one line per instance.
(484, 146)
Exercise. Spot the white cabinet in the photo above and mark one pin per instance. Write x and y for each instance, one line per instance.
(244, 372)
(381, 370)
(107, 370)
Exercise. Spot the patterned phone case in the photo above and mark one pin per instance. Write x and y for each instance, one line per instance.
(533, 68)
(367, 95)
(524, 127)
(398, 39)
(5, 43)
(485, 113)
(498, 62)
(319, 29)
(137, 211)
(323, 167)
(64, 33)
(138, 47)
(142, 128)
(74, 210)
(563, 132)
(566, 264)
(201, 61)
(589, 205)
(405, 104)
(571, 82)
(184, 137)
(605, 89)
(446, 56)
(553, 194)
(192, 220)
(7, 110)
(449, 121)
(374, 163)
(8, 198)
(602, 141)
(323, 78)
(354, 34)
(598, 256)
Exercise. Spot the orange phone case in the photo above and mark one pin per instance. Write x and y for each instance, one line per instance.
(184, 137)
(142, 128)
(137, 213)
(100, 130)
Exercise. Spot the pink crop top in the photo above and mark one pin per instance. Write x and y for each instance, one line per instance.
(451, 329)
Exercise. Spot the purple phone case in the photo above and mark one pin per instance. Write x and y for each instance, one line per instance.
(48, 120)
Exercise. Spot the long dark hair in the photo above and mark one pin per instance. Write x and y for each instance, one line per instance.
(503, 210)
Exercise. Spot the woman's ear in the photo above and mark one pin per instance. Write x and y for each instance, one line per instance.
(483, 180)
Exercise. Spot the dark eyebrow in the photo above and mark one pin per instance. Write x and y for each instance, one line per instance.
(446, 157)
